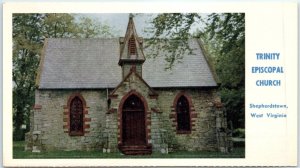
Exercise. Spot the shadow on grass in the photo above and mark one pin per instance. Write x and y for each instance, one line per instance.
(19, 153)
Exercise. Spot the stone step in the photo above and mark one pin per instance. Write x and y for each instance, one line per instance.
(136, 150)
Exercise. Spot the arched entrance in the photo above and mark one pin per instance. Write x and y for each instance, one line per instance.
(133, 122)
(133, 135)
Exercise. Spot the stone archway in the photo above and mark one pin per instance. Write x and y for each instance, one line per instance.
(133, 128)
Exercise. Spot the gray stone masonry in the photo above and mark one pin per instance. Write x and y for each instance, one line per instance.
(49, 120)
(208, 129)
(203, 134)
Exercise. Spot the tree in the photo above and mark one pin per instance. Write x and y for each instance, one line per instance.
(226, 39)
(88, 27)
(223, 38)
(29, 33)
(27, 43)
(171, 32)
(59, 26)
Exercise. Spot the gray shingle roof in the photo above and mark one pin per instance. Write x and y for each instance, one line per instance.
(93, 63)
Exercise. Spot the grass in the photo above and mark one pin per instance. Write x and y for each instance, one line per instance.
(19, 153)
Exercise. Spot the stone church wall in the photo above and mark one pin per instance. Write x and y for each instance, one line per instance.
(49, 120)
(203, 130)
(49, 130)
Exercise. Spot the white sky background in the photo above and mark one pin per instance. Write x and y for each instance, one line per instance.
(119, 21)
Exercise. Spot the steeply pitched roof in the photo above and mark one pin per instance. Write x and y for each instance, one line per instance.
(125, 43)
(93, 63)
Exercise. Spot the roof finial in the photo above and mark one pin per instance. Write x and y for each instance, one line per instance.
(131, 16)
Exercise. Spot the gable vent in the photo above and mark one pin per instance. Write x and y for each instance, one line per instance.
(132, 46)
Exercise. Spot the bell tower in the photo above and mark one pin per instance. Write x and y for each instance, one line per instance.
(131, 50)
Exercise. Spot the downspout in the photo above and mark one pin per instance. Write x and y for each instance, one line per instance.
(106, 148)
(107, 95)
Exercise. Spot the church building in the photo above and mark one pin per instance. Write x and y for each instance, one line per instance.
(103, 94)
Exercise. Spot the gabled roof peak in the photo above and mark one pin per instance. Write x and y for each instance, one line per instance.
(131, 45)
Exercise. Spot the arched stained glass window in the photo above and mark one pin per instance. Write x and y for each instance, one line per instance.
(76, 117)
(183, 114)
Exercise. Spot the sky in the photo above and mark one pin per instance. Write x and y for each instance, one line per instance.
(119, 21)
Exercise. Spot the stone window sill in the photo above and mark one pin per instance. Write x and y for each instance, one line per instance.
(183, 132)
(76, 134)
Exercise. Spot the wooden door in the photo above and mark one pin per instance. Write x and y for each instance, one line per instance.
(133, 122)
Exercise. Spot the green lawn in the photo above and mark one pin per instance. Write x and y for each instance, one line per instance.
(18, 153)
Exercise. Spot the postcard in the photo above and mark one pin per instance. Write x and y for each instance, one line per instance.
(131, 84)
